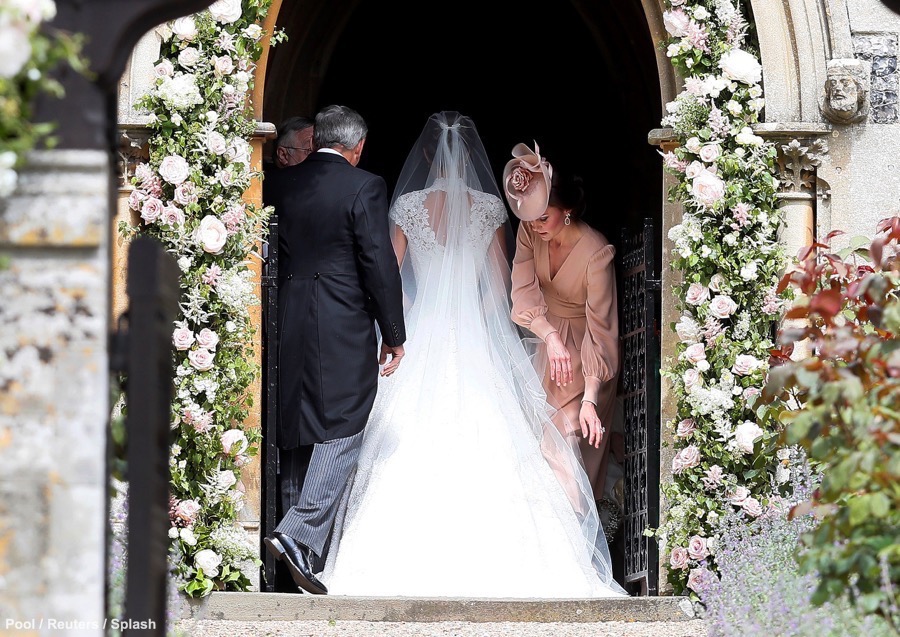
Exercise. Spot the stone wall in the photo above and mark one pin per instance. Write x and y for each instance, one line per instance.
(54, 391)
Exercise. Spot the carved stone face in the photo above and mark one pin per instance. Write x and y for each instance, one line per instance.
(842, 93)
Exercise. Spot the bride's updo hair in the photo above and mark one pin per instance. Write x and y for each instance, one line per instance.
(567, 192)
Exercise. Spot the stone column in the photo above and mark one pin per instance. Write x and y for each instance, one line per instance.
(54, 392)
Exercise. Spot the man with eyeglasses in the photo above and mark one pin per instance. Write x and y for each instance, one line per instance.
(294, 142)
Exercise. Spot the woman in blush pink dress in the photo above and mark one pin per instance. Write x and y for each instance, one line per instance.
(564, 292)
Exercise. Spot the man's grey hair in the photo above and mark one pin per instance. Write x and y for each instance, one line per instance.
(339, 126)
(290, 126)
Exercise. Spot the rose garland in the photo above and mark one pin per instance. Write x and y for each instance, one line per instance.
(27, 53)
(727, 251)
(190, 197)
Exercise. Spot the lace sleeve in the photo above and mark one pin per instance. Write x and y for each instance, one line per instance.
(488, 214)
(410, 215)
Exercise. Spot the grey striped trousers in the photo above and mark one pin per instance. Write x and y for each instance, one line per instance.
(311, 518)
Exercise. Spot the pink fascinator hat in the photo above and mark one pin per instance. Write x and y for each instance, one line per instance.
(526, 182)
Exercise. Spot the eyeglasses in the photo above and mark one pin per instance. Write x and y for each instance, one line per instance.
(305, 150)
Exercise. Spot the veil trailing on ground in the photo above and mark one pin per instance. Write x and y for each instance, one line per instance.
(456, 279)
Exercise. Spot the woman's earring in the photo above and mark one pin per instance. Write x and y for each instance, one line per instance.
(568, 220)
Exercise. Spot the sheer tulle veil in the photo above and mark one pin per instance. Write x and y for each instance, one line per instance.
(460, 299)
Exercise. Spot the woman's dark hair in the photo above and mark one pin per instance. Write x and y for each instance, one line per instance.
(567, 192)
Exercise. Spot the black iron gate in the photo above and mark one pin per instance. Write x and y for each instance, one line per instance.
(639, 330)
(270, 401)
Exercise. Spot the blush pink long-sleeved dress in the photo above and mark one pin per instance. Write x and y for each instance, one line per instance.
(580, 303)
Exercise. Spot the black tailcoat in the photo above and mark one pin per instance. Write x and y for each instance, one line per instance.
(338, 277)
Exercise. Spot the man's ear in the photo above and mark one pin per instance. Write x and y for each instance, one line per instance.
(357, 151)
(281, 156)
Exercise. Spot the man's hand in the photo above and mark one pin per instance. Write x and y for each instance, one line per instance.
(390, 364)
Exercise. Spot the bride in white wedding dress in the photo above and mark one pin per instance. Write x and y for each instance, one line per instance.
(464, 486)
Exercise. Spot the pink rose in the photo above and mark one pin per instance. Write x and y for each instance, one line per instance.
(207, 339)
(216, 143)
(187, 511)
(172, 216)
(687, 458)
(710, 153)
(685, 428)
(136, 199)
(234, 442)
(700, 579)
(678, 559)
(151, 209)
(715, 283)
(722, 306)
(182, 338)
(708, 189)
(697, 548)
(739, 495)
(676, 22)
(695, 353)
(212, 234)
(186, 193)
(751, 392)
(174, 169)
(752, 507)
(693, 170)
(745, 436)
(697, 294)
(164, 69)
(520, 178)
(691, 378)
(201, 359)
(744, 364)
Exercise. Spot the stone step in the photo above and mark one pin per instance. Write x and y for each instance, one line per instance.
(290, 607)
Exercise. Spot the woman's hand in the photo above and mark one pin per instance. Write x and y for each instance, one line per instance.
(591, 427)
(559, 359)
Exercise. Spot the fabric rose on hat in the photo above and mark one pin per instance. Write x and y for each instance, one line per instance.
(520, 179)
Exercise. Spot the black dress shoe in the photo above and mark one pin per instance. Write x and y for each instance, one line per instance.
(284, 548)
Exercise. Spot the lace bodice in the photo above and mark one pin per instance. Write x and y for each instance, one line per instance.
(409, 212)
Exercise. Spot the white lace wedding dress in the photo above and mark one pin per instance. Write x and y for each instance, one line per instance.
(453, 495)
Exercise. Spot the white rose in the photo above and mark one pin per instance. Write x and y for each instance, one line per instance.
(254, 32)
(676, 22)
(234, 442)
(209, 561)
(207, 339)
(222, 65)
(164, 31)
(739, 495)
(212, 117)
(177, 119)
(749, 271)
(691, 378)
(744, 364)
(15, 47)
(693, 145)
(722, 306)
(697, 294)
(703, 365)
(230, 327)
(226, 11)
(710, 153)
(745, 435)
(701, 13)
(187, 536)
(741, 66)
(184, 263)
(174, 169)
(185, 28)
(225, 480)
(715, 283)
(182, 338)
(201, 359)
(708, 189)
(216, 143)
(693, 170)
(747, 138)
(695, 353)
(212, 234)
(164, 69)
(189, 57)
(173, 532)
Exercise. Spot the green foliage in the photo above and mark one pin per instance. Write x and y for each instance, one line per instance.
(842, 405)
